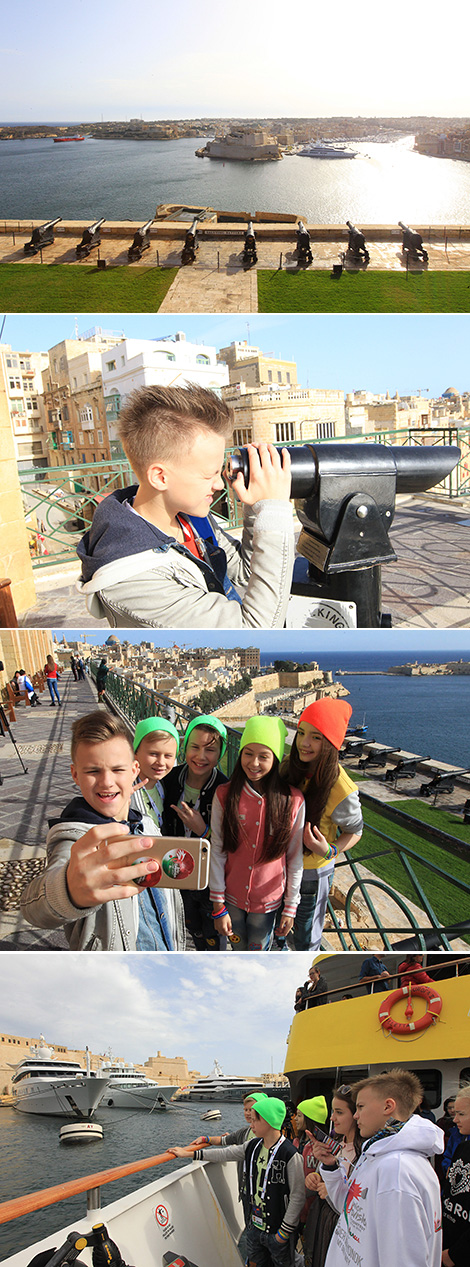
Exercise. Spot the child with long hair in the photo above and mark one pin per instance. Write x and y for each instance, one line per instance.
(257, 829)
(333, 818)
(321, 1217)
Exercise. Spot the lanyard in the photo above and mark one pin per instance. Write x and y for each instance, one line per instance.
(152, 803)
(268, 1167)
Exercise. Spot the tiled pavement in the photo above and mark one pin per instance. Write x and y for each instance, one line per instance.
(428, 587)
(27, 801)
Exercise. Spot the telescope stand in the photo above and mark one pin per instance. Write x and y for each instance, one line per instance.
(5, 729)
(360, 586)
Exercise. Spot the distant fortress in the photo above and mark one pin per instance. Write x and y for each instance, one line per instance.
(454, 668)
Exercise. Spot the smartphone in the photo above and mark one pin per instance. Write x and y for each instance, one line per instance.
(333, 1145)
(183, 863)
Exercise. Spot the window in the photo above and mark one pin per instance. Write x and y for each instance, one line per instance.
(74, 381)
(100, 437)
(243, 435)
(86, 414)
(270, 376)
(288, 379)
(325, 430)
(279, 376)
(110, 366)
(80, 437)
(203, 360)
(285, 431)
(65, 413)
(123, 360)
(29, 405)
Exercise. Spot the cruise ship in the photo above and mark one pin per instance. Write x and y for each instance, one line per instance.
(43, 1084)
(127, 1089)
(220, 1086)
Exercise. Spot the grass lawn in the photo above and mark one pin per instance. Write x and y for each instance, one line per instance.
(449, 904)
(81, 288)
(363, 292)
(435, 816)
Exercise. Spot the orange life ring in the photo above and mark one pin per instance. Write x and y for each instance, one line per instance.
(433, 1010)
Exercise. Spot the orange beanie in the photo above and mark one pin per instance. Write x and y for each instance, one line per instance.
(330, 717)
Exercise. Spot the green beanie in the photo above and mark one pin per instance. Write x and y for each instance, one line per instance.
(269, 731)
(315, 1109)
(149, 724)
(271, 1110)
(213, 723)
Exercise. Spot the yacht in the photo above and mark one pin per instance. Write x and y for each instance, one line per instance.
(219, 1086)
(43, 1084)
(127, 1089)
(326, 149)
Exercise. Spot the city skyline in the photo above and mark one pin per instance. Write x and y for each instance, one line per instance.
(349, 352)
(157, 66)
(418, 643)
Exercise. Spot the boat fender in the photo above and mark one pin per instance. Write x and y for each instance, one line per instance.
(430, 1016)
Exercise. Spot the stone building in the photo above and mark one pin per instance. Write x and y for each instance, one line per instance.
(284, 415)
(73, 398)
(23, 380)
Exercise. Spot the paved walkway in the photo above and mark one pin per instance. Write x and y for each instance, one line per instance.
(28, 800)
(428, 587)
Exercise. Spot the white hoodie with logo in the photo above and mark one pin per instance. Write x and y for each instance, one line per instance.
(390, 1205)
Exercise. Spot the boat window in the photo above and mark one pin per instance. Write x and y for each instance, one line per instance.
(431, 1080)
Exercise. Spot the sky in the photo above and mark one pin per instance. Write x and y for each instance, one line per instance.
(200, 1007)
(212, 60)
(421, 644)
(393, 352)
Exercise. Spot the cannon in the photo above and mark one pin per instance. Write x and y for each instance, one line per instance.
(141, 242)
(353, 748)
(43, 235)
(377, 759)
(345, 501)
(188, 254)
(413, 243)
(304, 250)
(91, 237)
(404, 769)
(441, 783)
(250, 255)
(356, 244)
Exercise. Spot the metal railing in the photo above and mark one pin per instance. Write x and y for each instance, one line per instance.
(60, 501)
(135, 702)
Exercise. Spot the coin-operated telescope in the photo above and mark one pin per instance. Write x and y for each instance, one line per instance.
(357, 244)
(91, 238)
(43, 235)
(188, 254)
(250, 255)
(141, 242)
(413, 243)
(304, 250)
(345, 501)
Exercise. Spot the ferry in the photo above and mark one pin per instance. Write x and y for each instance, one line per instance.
(359, 1034)
(325, 149)
(61, 1088)
(59, 139)
(192, 1217)
(127, 1089)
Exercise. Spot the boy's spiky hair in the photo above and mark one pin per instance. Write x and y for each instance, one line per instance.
(98, 727)
(398, 1084)
(160, 424)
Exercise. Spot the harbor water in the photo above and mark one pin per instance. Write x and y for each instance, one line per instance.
(124, 180)
(31, 1157)
(424, 715)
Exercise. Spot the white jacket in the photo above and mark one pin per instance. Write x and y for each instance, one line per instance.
(390, 1205)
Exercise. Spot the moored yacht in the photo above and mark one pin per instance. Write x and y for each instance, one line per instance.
(219, 1086)
(128, 1089)
(43, 1084)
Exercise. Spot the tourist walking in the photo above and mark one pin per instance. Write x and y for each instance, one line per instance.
(51, 672)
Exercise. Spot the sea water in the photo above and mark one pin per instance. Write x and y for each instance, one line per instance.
(127, 179)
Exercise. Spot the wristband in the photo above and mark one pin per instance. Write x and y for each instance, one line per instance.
(328, 855)
(334, 850)
(283, 1235)
(218, 914)
(205, 833)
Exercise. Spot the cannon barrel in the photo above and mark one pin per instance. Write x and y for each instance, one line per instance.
(141, 241)
(352, 227)
(50, 224)
(414, 469)
(250, 232)
(145, 227)
(411, 235)
(191, 233)
(42, 235)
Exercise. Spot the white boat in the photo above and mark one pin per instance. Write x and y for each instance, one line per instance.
(43, 1084)
(326, 149)
(128, 1089)
(191, 1217)
(220, 1086)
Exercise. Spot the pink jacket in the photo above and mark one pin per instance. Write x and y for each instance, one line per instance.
(240, 878)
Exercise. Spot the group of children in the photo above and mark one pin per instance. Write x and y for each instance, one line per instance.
(276, 827)
(366, 1194)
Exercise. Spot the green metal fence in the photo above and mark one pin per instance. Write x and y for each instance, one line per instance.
(134, 702)
(60, 501)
